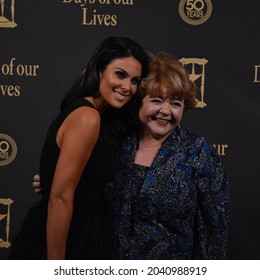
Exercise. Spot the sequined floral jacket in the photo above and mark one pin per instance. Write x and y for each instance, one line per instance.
(177, 208)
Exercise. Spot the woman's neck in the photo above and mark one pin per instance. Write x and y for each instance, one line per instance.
(147, 150)
(149, 144)
(150, 141)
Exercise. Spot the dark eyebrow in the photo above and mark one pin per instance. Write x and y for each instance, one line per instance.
(127, 74)
(118, 68)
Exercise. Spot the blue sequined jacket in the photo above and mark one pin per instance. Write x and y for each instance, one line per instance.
(177, 208)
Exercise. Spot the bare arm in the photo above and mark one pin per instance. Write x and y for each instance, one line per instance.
(76, 139)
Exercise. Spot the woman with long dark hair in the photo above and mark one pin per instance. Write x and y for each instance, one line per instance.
(72, 219)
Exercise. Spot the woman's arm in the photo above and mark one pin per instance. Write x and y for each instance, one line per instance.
(76, 139)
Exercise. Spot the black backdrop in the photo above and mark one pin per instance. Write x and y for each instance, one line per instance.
(44, 46)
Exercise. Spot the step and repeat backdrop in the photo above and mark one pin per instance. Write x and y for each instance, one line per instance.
(45, 45)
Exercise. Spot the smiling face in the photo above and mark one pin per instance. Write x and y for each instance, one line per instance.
(160, 115)
(119, 81)
(167, 91)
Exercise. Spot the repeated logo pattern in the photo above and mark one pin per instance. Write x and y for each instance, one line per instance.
(7, 14)
(195, 12)
(5, 222)
(8, 149)
(197, 75)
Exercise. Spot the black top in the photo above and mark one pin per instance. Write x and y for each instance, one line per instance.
(91, 233)
(99, 169)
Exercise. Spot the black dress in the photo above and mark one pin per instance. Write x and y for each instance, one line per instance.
(91, 234)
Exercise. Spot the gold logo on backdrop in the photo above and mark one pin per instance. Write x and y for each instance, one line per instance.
(91, 15)
(5, 222)
(197, 75)
(257, 74)
(7, 14)
(195, 12)
(8, 149)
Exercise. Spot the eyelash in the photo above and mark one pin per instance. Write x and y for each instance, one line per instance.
(156, 101)
(122, 75)
(136, 81)
(175, 103)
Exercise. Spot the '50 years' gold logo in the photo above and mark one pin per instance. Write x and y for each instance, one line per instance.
(8, 149)
(195, 12)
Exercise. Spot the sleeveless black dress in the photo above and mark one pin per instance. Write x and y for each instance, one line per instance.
(91, 233)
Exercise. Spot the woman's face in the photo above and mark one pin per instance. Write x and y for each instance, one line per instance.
(160, 115)
(119, 81)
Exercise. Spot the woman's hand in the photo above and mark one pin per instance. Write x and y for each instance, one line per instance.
(36, 183)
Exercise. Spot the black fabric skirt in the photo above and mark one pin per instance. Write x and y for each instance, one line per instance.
(91, 235)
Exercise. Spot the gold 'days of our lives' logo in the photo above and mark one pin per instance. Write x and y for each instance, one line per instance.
(7, 10)
(8, 149)
(195, 12)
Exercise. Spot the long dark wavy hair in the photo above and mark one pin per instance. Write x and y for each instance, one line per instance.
(110, 49)
(116, 121)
